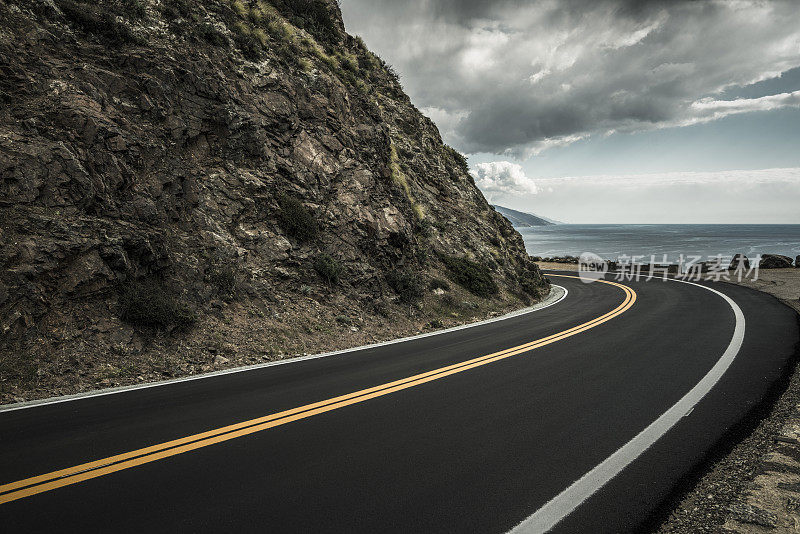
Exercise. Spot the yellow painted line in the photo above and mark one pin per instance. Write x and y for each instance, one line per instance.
(72, 475)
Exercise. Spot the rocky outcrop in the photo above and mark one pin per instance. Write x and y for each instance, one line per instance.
(158, 140)
(774, 261)
(739, 261)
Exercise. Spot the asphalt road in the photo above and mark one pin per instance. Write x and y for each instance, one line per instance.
(358, 446)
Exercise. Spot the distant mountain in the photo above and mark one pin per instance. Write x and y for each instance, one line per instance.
(520, 218)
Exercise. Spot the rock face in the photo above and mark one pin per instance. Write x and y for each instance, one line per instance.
(774, 261)
(739, 261)
(159, 140)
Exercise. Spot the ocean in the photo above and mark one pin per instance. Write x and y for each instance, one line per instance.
(610, 241)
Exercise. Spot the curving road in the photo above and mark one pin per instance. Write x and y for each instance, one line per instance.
(584, 416)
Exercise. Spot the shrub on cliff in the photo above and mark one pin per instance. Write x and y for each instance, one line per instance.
(148, 302)
(472, 276)
(211, 35)
(531, 281)
(313, 16)
(296, 220)
(223, 278)
(328, 268)
(438, 283)
(408, 285)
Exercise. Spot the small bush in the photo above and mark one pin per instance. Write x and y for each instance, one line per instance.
(407, 285)
(348, 62)
(474, 277)
(304, 64)
(449, 301)
(328, 268)
(296, 220)
(239, 8)
(149, 302)
(211, 35)
(247, 42)
(312, 16)
(460, 159)
(423, 228)
(531, 281)
(223, 278)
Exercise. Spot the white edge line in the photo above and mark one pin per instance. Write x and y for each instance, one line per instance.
(549, 515)
(121, 389)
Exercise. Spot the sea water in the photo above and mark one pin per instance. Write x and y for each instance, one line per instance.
(612, 241)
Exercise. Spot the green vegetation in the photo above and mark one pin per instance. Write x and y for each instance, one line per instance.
(530, 281)
(312, 16)
(399, 179)
(328, 268)
(458, 157)
(472, 276)
(223, 278)
(247, 41)
(408, 285)
(296, 220)
(149, 302)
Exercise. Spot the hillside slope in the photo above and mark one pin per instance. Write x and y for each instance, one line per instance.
(521, 218)
(188, 185)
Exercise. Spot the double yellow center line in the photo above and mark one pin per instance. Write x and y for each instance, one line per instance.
(72, 475)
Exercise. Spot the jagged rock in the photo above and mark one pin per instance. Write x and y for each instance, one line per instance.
(774, 261)
(739, 261)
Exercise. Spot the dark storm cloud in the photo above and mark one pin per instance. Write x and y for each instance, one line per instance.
(516, 77)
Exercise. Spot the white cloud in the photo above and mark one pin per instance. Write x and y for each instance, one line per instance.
(525, 76)
(710, 109)
(502, 178)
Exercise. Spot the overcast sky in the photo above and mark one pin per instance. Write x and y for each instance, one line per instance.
(608, 111)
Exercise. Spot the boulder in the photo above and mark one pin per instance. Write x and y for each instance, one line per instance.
(739, 261)
(797, 261)
(775, 261)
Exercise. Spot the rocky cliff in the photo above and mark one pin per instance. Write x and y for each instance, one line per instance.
(186, 184)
